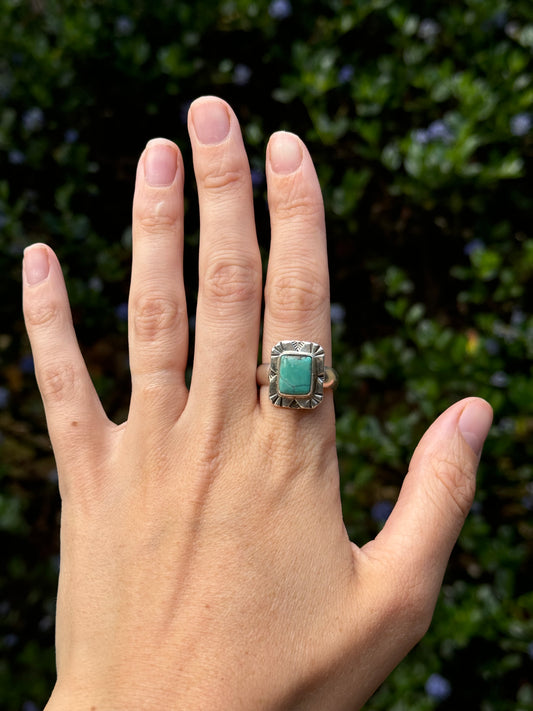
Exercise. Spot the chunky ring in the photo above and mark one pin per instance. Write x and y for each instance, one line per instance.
(296, 375)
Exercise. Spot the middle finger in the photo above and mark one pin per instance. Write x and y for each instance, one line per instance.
(229, 298)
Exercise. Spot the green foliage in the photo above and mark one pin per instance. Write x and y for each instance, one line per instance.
(421, 127)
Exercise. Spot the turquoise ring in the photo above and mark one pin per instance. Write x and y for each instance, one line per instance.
(296, 375)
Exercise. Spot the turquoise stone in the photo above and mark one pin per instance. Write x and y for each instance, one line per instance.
(295, 372)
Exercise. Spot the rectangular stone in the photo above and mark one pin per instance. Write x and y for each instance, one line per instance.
(295, 375)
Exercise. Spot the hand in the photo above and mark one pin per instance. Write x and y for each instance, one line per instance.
(204, 560)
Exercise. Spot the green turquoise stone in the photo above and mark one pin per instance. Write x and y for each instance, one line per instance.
(295, 373)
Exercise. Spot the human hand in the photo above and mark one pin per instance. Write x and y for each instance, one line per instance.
(204, 560)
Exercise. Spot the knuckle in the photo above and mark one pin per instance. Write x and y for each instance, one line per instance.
(153, 315)
(230, 282)
(57, 381)
(411, 606)
(41, 313)
(219, 179)
(155, 222)
(303, 207)
(296, 294)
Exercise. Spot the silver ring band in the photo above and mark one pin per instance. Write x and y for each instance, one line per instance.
(296, 375)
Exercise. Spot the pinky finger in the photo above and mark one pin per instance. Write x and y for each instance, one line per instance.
(75, 417)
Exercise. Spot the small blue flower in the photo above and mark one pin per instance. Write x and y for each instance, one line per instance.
(124, 26)
(428, 29)
(258, 177)
(420, 135)
(507, 425)
(492, 346)
(439, 131)
(33, 119)
(26, 365)
(517, 317)
(280, 9)
(121, 312)
(16, 157)
(438, 687)
(241, 74)
(338, 312)
(473, 246)
(71, 135)
(10, 640)
(345, 74)
(29, 706)
(499, 379)
(381, 511)
(95, 284)
(521, 124)
(527, 502)
(4, 398)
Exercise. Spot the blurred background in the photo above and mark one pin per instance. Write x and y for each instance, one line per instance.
(419, 117)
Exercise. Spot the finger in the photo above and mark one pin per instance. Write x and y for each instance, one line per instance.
(76, 421)
(436, 496)
(229, 297)
(158, 324)
(297, 286)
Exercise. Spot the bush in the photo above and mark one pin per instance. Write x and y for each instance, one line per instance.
(421, 127)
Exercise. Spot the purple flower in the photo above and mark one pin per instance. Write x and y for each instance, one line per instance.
(527, 502)
(121, 312)
(71, 135)
(16, 157)
(241, 74)
(439, 131)
(492, 346)
(521, 124)
(428, 29)
(29, 706)
(258, 177)
(95, 284)
(499, 379)
(420, 135)
(280, 9)
(33, 119)
(473, 246)
(517, 317)
(26, 365)
(124, 26)
(381, 511)
(338, 312)
(345, 74)
(438, 687)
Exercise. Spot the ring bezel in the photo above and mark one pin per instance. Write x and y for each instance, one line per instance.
(298, 349)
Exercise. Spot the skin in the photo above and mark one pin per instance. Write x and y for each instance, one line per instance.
(204, 559)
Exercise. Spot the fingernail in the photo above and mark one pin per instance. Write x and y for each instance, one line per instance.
(211, 121)
(160, 164)
(474, 424)
(36, 265)
(285, 153)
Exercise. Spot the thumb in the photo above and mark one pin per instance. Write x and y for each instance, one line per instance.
(437, 492)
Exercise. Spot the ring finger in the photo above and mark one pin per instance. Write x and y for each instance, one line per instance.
(297, 286)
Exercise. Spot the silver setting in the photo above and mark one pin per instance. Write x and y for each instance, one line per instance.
(318, 375)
